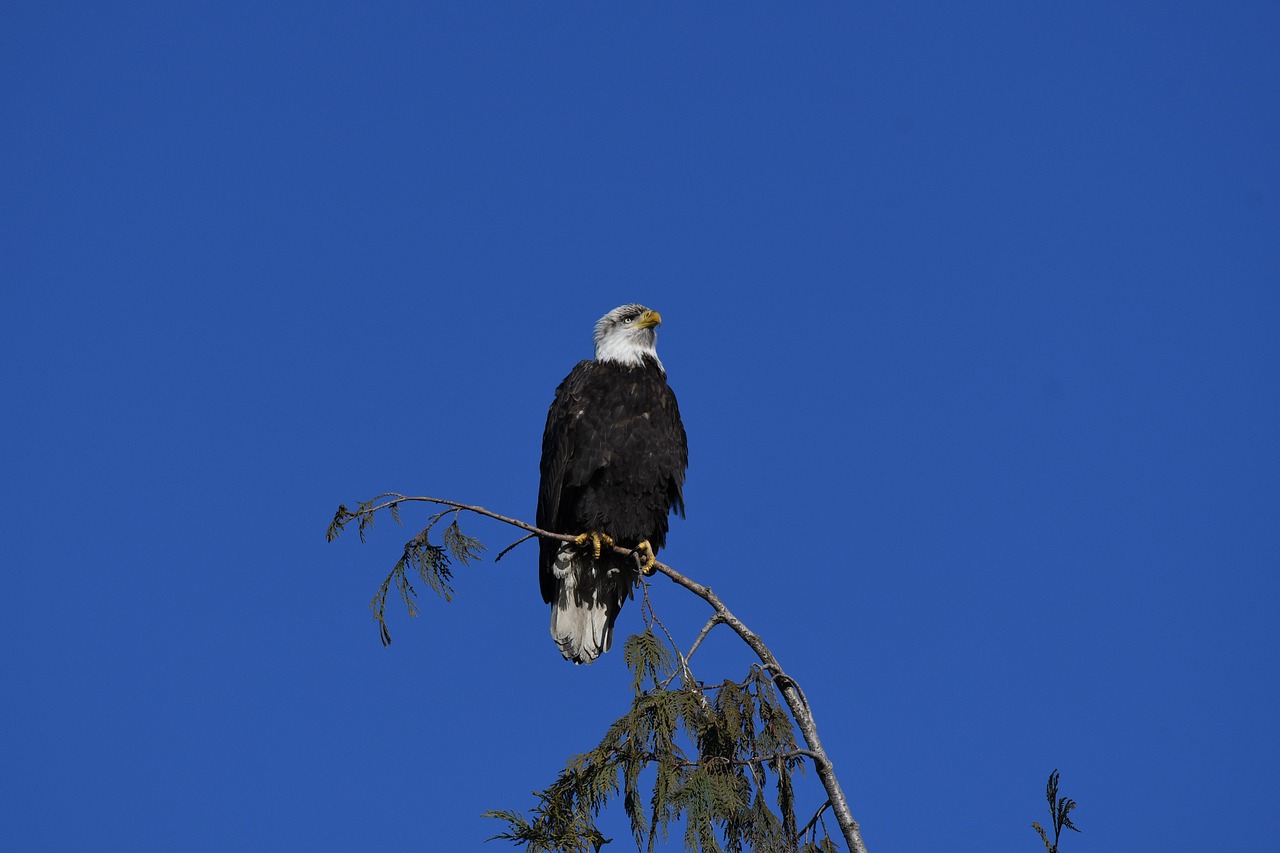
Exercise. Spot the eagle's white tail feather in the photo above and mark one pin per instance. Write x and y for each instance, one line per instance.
(582, 629)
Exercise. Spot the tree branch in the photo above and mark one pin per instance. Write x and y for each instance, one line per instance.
(702, 635)
(787, 686)
(813, 820)
(795, 700)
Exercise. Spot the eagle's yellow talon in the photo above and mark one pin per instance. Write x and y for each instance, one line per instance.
(597, 540)
(648, 561)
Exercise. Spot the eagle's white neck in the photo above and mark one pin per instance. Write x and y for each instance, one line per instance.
(628, 347)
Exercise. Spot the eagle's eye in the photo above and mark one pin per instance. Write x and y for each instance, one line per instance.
(627, 321)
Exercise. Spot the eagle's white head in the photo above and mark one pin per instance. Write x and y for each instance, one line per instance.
(627, 334)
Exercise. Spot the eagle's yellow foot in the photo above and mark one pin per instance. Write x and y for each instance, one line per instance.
(597, 539)
(646, 557)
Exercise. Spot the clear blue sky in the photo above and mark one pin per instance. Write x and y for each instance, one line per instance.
(972, 312)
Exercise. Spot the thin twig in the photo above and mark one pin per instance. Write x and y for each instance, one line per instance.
(684, 657)
(702, 635)
(519, 541)
(683, 670)
(813, 820)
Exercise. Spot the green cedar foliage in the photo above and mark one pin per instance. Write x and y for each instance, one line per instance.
(720, 759)
(430, 561)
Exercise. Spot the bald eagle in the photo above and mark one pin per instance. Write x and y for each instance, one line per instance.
(614, 455)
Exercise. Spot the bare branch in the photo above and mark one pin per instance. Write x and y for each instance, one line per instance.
(519, 541)
(813, 820)
(702, 635)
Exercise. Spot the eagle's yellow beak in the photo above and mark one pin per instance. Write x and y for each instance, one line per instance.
(648, 320)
